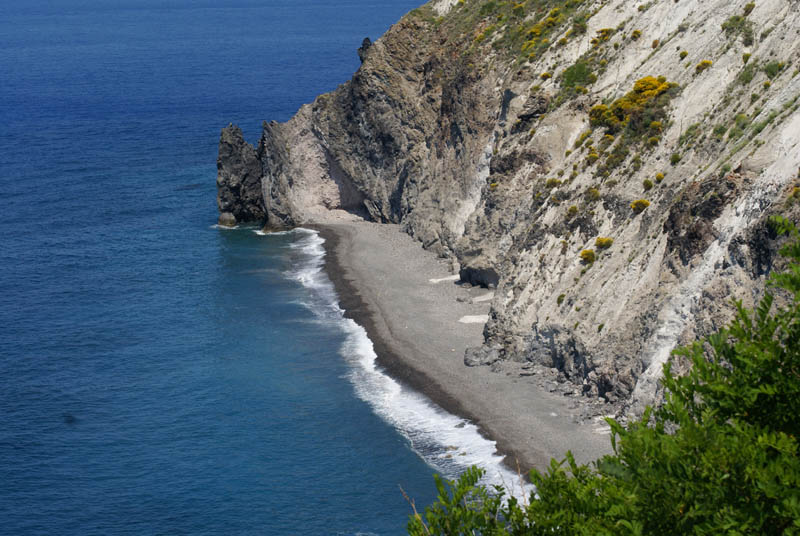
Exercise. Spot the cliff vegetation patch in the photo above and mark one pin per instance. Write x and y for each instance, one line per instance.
(635, 112)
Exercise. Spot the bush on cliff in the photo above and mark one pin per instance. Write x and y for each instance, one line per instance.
(719, 457)
(634, 112)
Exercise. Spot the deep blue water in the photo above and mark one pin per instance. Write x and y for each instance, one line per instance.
(159, 375)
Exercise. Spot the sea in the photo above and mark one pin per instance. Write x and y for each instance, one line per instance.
(158, 374)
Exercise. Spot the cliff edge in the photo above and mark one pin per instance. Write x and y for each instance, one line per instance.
(608, 167)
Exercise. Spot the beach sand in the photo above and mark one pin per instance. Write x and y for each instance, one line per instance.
(420, 320)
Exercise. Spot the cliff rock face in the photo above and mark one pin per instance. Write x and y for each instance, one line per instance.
(517, 138)
(239, 196)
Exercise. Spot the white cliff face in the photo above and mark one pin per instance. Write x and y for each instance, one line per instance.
(463, 125)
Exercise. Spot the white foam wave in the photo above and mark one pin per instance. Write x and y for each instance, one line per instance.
(261, 232)
(448, 443)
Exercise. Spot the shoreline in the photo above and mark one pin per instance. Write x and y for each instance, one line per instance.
(355, 308)
(412, 323)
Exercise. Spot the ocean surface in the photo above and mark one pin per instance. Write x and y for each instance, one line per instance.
(159, 375)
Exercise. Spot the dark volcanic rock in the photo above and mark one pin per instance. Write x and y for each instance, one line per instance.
(481, 355)
(238, 179)
(557, 347)
(689, 225)
(362, 50)
(479, 274)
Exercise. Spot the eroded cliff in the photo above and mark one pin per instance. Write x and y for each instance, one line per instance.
(607, 166)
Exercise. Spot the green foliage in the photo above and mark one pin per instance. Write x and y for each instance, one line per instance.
(720, 457)
(634, 112)
(572, 211)
(582, 138)
(741, 122)
(616, 157)
(579, 74)
(692, 132)
(738, 25)
(647, 184)
(674, 158)
(552, 183)
(588, 256)
(522, 29)
(773, 68)
(683, 54)
(748, 73)
(603, 242)
(639, 205)
(758, 127)
(560, 299)
(702, 66)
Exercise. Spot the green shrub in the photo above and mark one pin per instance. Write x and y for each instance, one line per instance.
(582, 138)
(636, 34)
(741, 122)
(603, 242)
(578, 74)
(647, 184)
(639, 205)
(635, 111)
(683, 54)
(617, 157)
(572, 211)
(748, 8)
(719, 457)
(588, 256)
(552, 183)
(773, 68)
(674, 159)
(592, 195)
(748, 73)
(545, 76)
(746, 57)
(738, 25)
(702, 66)
(560, 299)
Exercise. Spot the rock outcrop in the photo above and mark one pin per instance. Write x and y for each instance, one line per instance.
(239, 195)
(517, 138)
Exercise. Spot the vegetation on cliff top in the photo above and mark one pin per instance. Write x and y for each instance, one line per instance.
(524, 29)
(720, 456)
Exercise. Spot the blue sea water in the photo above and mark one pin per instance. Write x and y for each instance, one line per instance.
(159, 375)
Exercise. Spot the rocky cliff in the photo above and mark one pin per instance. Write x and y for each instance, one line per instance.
(608, 166)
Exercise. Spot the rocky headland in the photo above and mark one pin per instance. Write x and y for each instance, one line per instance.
(606, 169)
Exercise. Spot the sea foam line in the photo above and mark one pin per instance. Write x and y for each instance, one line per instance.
(446, 442)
